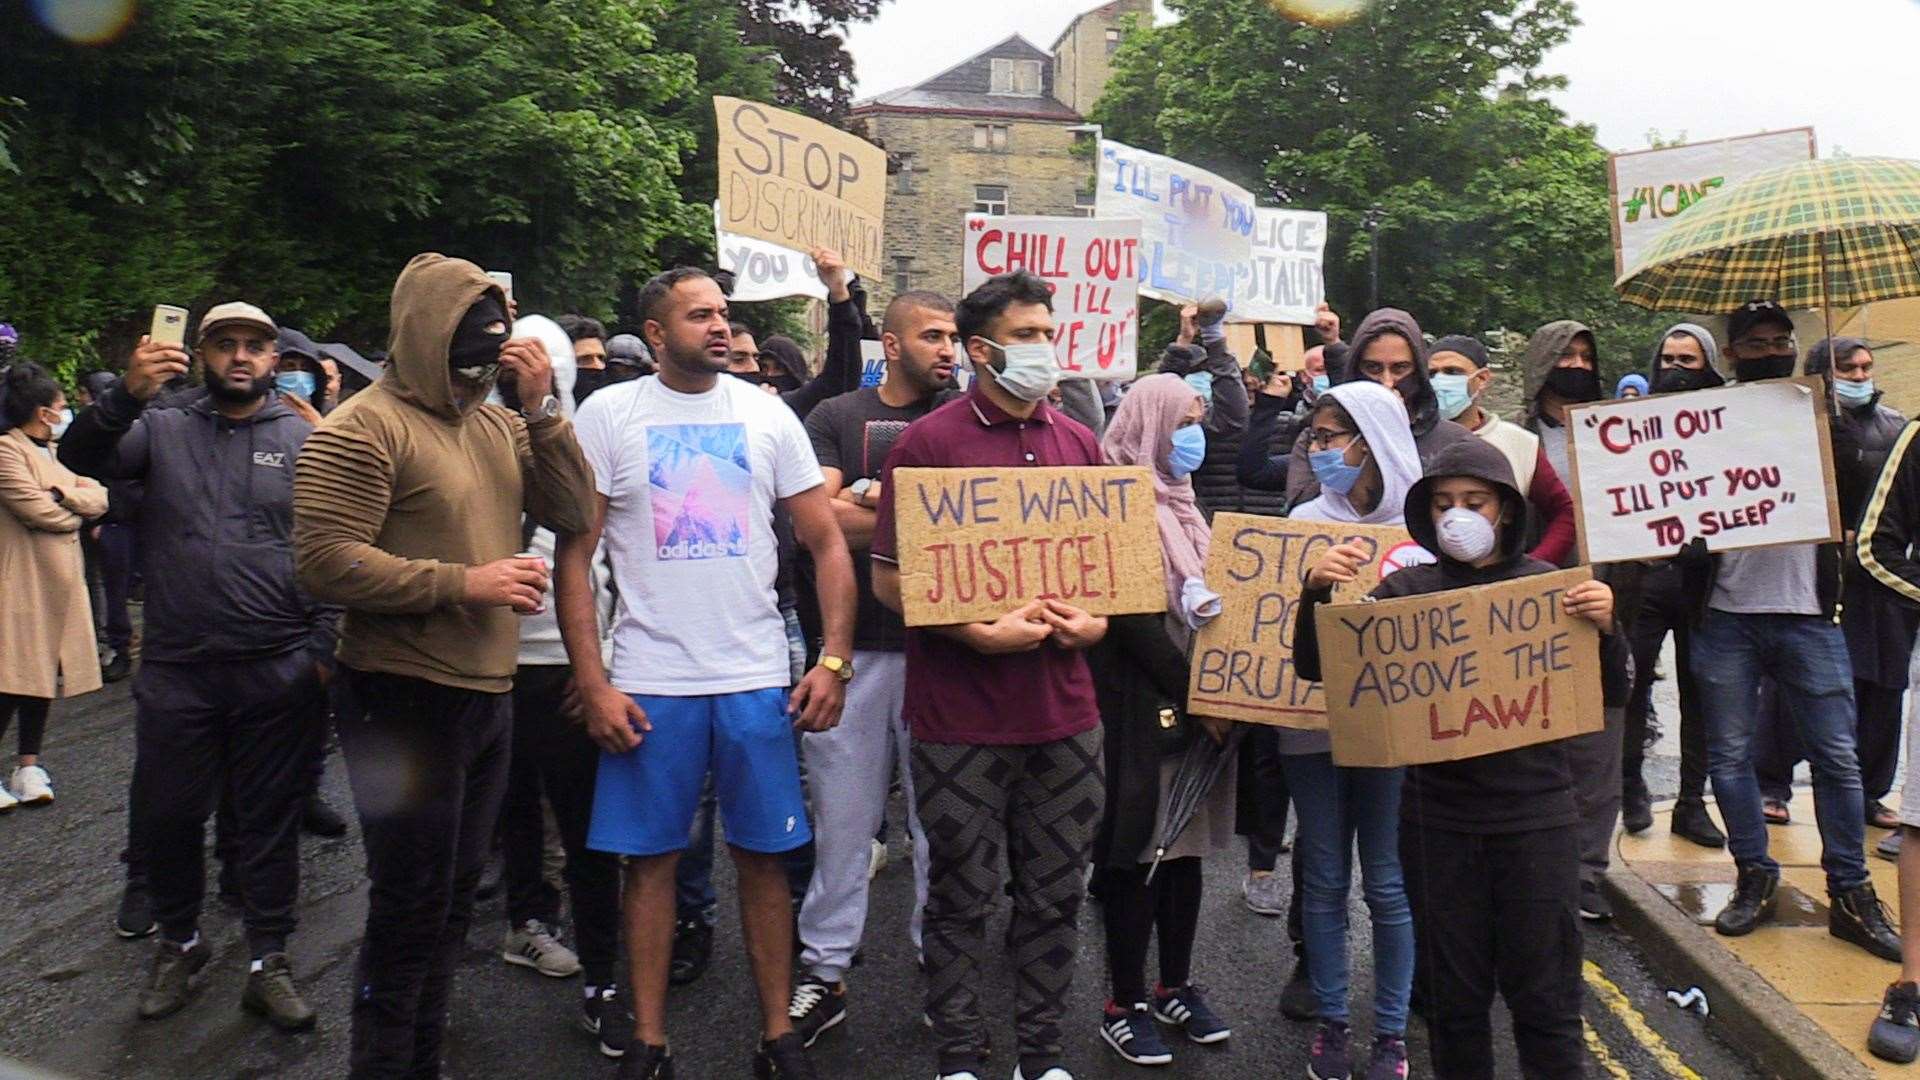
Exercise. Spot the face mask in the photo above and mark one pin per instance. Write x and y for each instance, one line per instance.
(1680, 380)
(1452, 395)
(298, 383)
(586, 381)
(1466, 534)
(1200, 383)
(1767, 367)
(1189, 450)
(1331, 469)
(1849, 393)
(1574, 384)
(59, 427)
(1321, 382)
(1028, 372)
(474, 353)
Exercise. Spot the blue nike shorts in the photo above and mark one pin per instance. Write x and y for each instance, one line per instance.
(644, 800)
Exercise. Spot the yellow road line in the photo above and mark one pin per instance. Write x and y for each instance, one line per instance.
(1616, 1002)
(1598, 1049)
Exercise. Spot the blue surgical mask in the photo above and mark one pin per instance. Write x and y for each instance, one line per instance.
(1189, 450)
(1200, 383)
(1321, 382)
(1451, 394)
(298, 383)
(1853, 393)
(1331, 469)
(1027, 371)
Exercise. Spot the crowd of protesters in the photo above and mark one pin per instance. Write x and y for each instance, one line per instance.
(547, 582)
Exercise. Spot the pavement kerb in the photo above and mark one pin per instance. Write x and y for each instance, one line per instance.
(1747, 1010)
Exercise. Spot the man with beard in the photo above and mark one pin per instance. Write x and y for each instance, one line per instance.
(857, 760)
(589, 337)
(408, 505)
(230, 690)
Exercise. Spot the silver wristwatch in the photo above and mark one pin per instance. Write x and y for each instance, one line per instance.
(548, 408)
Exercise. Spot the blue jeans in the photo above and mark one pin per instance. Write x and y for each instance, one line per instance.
(1334, 805)
(1807, 657)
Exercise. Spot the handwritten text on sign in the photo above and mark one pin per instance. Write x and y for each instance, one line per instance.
(1743, 466)
(1457, 674)
(1243, 660)
(763, 271)
(1093, 268)
(975, 544)
(798, 183)
(1202, 237)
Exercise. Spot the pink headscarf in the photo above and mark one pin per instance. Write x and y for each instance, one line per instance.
(1141, 433)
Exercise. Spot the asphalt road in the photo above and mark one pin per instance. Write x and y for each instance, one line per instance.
(68, 985)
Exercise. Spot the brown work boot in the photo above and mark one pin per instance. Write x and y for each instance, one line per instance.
(270, 993)
(175, 977)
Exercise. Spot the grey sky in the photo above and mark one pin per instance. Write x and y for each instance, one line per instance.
(1708, 68)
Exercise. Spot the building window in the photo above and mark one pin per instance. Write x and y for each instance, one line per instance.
(1083, 204)
(1113, 40)
(902, 274)
(903, 177)
(989, 198)
(991, 138)
(1017, 78)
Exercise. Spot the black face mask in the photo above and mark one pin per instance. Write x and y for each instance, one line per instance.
(1574, 384)
(1767, 367)
(474, 353)
(587, 380)
(1678, 380)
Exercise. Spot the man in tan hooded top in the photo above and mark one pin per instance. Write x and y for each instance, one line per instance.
(407, 512)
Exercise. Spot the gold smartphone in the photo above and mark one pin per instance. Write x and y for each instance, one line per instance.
(169, 325)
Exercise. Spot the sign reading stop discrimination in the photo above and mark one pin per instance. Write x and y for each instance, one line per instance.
(1092, 267)
(799, 183)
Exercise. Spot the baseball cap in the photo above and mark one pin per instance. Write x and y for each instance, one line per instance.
(628, 349)
(235, 311)
(1752, 314)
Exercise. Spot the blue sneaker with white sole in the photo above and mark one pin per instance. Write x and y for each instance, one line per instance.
(1132, 1035)
(1187, 1009)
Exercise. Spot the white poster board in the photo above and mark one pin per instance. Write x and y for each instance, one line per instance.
(1740, 467)
(765, 271)
(1648, 188)
(1093, 267)
(1202, 237)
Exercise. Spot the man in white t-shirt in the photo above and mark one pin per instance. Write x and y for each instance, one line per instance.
(688, 467)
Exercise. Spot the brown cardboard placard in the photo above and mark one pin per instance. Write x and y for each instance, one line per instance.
(794, 181)
(1457, 674)
(978, 543)
(1243, 660)
(1287, 345)
(1241, 341)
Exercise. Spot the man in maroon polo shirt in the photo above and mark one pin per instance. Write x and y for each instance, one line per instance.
(1006, 734)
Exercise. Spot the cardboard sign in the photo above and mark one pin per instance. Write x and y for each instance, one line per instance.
(1202, 237)
(1458, 674)
(1740, 466)
(1242, 340)
(1286, 345)
(1093, 269)
(978, 543)
(1648, 188)
(763, 271)
(1243, 660)
(800, 184)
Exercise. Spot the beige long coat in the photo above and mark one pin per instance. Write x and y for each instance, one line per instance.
(46, 620)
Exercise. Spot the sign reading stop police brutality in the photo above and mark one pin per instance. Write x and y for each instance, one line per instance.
(763, 271)
(1202, 237)
(975, 544)
(796, 182)
(1243, 660)
(1739, 467)
(1092, 267)
(1457, 674)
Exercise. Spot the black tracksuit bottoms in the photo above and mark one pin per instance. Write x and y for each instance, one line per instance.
(428, 764)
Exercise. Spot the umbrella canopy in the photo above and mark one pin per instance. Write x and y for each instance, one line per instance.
(1817, 234)
(1201, 767)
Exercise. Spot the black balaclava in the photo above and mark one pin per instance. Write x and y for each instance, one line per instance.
(474, 352)
(588, 380)
(1576, 385)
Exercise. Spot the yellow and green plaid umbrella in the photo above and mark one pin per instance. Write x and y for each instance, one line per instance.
(1835, 233)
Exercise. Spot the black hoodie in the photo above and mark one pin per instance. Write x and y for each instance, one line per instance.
(1512, 791)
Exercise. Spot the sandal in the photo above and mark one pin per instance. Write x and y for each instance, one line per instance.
(1776, 812)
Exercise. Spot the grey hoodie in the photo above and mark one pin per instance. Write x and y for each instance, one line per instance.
(1698, 333)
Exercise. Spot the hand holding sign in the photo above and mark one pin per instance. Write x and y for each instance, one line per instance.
(1023, 629)
(834, 272)
(1340, 565)
(1072, 627)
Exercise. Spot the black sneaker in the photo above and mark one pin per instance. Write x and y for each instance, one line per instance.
(136, 912)
(1132, 1035)
(785, 1058)
(321, 819)
(1754, 897)
(1329, 1058)
(117, 668)
(1297, 999)
(1858, 916)
(817, 1006)
(605, 1016)
(1692, 822)
(1895, 1034)
(175, 977)
(270, 993)
(1594, 906)
(1636, 805)
(692, 948)
(1187, 1009)
(646, 1063)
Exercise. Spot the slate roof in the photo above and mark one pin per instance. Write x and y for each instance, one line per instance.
(964, 89)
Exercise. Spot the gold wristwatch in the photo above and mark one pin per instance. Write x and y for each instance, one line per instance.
(842, 669)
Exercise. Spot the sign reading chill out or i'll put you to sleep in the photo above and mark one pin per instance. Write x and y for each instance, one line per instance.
(1739, 467)
(1457, 674)
(975, 544)
(1092, 267)
(799, 183)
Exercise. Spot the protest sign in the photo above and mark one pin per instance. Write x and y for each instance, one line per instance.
(1649, 187)
(763, 271)
(1242, 341)
(873, 362)
(978, 543)
(1092, 267)
(1286, 345)
(1457, 674)
(1740, 466)
(1243, 660)
(1202, 238)
(798, 183)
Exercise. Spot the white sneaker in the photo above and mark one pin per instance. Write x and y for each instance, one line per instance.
(876, 860)
(1055, 1073)
(533, 945)
(7, 801)
(31, 785)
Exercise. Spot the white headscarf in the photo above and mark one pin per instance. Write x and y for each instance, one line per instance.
(1382, 419)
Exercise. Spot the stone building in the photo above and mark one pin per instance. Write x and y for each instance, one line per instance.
(996, 134)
